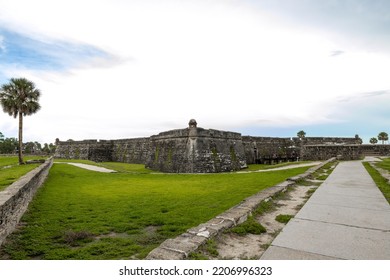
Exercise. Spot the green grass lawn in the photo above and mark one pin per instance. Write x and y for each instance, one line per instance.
(385, 164)
(81, 214)
(381, 182)
(10, 170)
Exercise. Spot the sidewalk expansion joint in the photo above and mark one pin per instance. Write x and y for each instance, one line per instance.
(339, 224)
(351, 207)
(327, 256)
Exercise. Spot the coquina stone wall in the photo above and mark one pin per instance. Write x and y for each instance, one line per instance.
(198, 150)
(76, 149)
(375, 150)
(323, 152)
(14, 199)
(189, 150)
(267, 149)
(123, 150)
(345, 152)
(134, 150)
(326, 141)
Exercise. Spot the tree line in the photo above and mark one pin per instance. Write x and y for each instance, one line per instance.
(10, 145)
(382, 136)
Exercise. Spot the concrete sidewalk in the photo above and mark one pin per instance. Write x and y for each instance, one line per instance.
(346, 218)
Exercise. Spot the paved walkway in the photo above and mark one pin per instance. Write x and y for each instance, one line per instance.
(89, 167)
(346, 218)
(284, 167)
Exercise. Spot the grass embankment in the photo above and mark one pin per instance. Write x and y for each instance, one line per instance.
(382, 183)
(81, 214)
(10, 170)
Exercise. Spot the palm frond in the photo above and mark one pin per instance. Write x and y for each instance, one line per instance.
(19, 96)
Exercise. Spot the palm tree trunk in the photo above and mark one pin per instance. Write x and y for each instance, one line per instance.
(20, 138)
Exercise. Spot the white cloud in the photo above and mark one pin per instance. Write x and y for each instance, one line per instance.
(2, 45)
(219, 62)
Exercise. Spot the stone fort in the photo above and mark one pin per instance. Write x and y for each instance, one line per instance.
(197, 150)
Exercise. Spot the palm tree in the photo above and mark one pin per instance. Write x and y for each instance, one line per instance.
(19, 98)
(373, 140)
(301, 134)
(383, 136)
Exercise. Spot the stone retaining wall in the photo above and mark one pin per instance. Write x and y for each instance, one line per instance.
(15, 199)
(188, 242)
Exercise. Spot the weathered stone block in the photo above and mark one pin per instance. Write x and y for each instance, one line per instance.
(164, 254)
(219, 224)
(236, 215)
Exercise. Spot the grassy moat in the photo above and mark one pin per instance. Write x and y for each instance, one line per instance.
(81, 214)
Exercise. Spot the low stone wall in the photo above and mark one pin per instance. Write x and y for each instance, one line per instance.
(375, 150)
(180, 247)
(15, 199)
(323, 152)
(344, 152)
(327, 141)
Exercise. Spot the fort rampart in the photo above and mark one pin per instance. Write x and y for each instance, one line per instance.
(198, 150)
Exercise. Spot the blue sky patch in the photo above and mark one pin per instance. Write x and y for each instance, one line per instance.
(18, 50)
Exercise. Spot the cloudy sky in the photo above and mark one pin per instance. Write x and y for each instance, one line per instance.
(111, 69)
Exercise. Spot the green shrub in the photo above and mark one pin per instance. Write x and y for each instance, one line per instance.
(249, 226)
(283, 218)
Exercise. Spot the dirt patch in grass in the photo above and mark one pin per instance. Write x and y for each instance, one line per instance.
(112, 235)
(232, 245)
(75, 239)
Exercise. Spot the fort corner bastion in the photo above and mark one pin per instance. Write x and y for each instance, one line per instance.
(197, 150)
